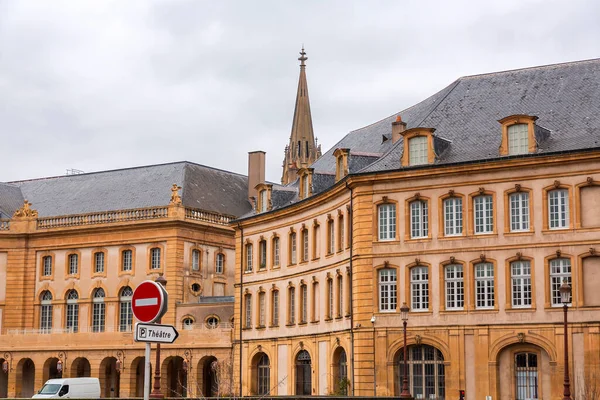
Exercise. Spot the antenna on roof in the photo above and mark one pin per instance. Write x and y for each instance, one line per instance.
(73, 171)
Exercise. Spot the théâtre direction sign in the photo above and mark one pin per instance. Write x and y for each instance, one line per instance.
(155, 333)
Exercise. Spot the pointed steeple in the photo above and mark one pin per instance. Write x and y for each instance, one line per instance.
(302, 149)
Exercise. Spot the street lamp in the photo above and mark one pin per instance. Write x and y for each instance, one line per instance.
(374, 359)
(565, 297)
(156, 393)
(405, 392)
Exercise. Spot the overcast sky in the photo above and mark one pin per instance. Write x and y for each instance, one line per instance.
(97, 85)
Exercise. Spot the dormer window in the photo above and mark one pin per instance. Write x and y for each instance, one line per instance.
(305, 189)
(264, 197)
(417, 148)
(341, 164)
(520, 135)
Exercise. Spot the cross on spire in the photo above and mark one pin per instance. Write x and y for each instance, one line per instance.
(302, 57)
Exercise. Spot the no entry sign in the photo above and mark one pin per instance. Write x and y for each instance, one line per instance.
(149, 302)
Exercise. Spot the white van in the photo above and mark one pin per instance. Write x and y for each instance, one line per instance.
(74, 388)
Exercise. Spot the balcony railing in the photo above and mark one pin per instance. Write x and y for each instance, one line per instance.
(105, 217)
(208, 216)
(4, 224)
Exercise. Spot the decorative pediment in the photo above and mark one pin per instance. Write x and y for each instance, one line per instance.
(26, 211)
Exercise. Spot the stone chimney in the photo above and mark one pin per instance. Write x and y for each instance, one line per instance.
(398, 126)
(256, 171)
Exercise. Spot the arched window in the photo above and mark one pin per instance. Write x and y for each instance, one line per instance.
(46, 312)
(426, 375)
(264, 375)
(340, 372)
(303, 374)
(526, 376)
(187, 323)
(125, 313)
(72, 319)
(212, 322)
(98, 310)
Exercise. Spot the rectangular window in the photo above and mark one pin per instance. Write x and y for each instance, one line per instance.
(419, 219)
(263, 200)
(560, 271)
(293, 252)
(305, 245)
(155, 258)
(125, 316)
(305, 186)
(330, 298)
(195, 260)
(261, 309)
(98, 317)
(387, 290)
(419, 288)
(387, 221)
(341, 233)
(98, 262)
(275, 305)
(292, 306)
(521, 284)
(249, 257)
(262, 245)
(453, 216)
(518, 139)
(484, 285)
(220, 263)
(46, 318)
(519, 212)
(417, 150)
(47, 266)
(455, 287)
(276, 251)
(303, 303)
(331, 237)
(73, 264)
(72, 322)
(126, 260)
(558, 209)
(340, 305)
(484, 214)
(248, 311)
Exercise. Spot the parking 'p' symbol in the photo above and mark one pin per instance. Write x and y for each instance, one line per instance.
(142, 332)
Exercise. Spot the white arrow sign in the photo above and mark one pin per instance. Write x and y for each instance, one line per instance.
(154, 333)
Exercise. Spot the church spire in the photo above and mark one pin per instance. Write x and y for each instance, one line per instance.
(302, 149)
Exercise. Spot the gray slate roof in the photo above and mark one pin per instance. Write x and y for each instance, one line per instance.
(202, 187)
(11, 199)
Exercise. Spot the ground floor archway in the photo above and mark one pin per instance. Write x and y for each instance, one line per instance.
(109, 378)
(80, 368)
(51, 369)
(426, 372)
(137, 377)
(303, 367)
(207, 377)
(25, 378)
(176, 384)
(524, 372)
(3, 380)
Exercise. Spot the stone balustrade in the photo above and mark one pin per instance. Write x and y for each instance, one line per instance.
(208, 216)
(105, 217)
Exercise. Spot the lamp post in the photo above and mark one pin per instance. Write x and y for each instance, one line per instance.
(565, 297)
(405, 392)
(156, 393)
(374, 359)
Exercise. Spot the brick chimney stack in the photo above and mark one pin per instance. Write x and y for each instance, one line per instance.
(398, 126)
(256, 171)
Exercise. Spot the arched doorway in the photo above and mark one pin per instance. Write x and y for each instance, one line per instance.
(303, 374)
(51, 369)
(523, 372)
(176, 379)
(109, 378)
(25, 378)
(3, 380)
(340, 372)
(260, 375)
(80, 368)
(208, 377)
(426, 372)
(137, 379)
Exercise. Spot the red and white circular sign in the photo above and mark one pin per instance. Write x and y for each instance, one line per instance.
(149, 302)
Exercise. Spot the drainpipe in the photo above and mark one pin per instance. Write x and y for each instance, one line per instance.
(351, 237)
(241, 297)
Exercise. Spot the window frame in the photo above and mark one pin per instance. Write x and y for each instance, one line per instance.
(99, 262)
(153, 259)
(248, 257)
(551, 287)
(98, 314)
(125, 312)
(410, 282)
(196, 262)
(442, 215)
(509, 282)
(472, 228)
(131, 270)
(455, 283)
(262, 254)
(389, 221)
(409, 134)
(424, 222)
(46, 319)
(71, 320)
(276, 251)
(291, 305)
(261, 309)
(523, 146)
(387, 289)
(330, 235)
(494, 287)
(508, 210)
(305, 245)
(275, 307)
(247, 310)
(563, 202)
(68, 264)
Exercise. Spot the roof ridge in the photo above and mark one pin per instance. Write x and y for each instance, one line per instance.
(532, 68)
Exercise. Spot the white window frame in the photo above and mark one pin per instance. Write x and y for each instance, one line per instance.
(261, 309)
(388, 290)
(521, 284)
(276, 252)
(304, 303)
(263, 200)
(73, 264)
(98, 310)
(125, 312)
(195, 260)
(341, 230)
(248, 311)
(560, 269)
(127, 260)
(519, 211)
(330, 298)
(419, 288)
(455, 287)
(275, 305)
(331, 242)
(262, 249)
(453, 216)
(485, 297)
(220, 263)
(518, 139)
(419, 219)
(305, 186)
(46, 312)
(47, 266)
(558, 209)
(293, 248)
(292, 305)
(340, 300)
(417, 150)
(99, 262)
(155, 258)
(249, 257)
(72, 312)
(305, 245)
(483, 214)
(386, 221)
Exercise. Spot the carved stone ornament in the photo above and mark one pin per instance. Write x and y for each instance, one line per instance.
(417, 260)
(175, 198)
(339, 212)
(386, 264)
(384, 199)
(556, 183)
(259, 347)
(25, 211)
(260, 289)
(481, 190)
(521, 337)
(337, 340)
(315, 222)
(418, 340)
(301, 344)
(273, 286)
(482, 257)
(517, 187)
(303, 226)
(417, 196)
(451, 192)
(98, 283)
(519, 255)
(302, 283)
(452, 259)
(558, 253)
(592, 251)
(314, 279)
(590, 180)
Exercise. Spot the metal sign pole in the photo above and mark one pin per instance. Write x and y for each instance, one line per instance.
(147, 373)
